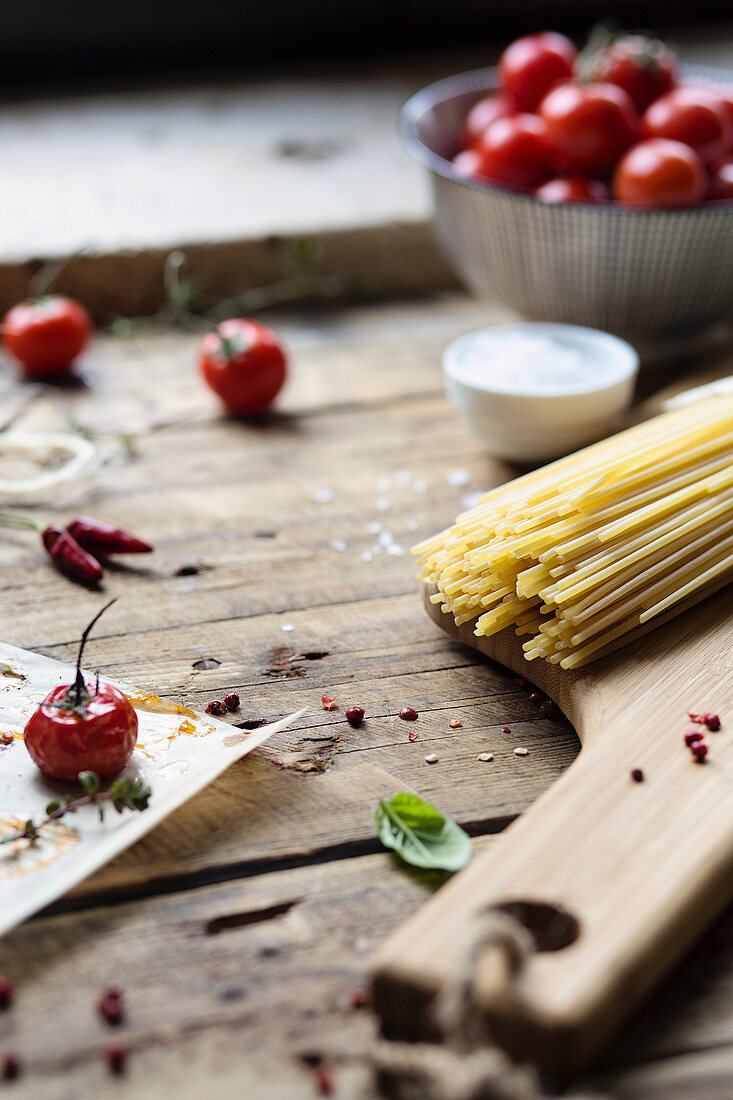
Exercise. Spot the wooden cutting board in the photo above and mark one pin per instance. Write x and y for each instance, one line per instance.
(615, 878)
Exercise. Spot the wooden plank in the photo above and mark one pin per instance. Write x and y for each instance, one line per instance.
(228, 985)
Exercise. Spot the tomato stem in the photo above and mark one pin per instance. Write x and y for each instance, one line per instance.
(78, 696)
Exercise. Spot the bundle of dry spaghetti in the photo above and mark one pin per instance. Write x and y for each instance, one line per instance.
(582, 554)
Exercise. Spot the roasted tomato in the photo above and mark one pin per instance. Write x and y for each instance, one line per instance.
(483, 113)
(529, 67)
(644, 67)
(590, 125)
(78, 729)
(658, 172)
(573, 189)
(244, 363)
(694, 116)
(515, 151)
(46, 334)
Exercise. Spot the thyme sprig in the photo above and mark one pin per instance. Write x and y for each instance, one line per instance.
(124, 794)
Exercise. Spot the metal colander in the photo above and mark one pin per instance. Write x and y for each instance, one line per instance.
(646, 273)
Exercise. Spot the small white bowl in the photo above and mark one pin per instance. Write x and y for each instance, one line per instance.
(548, 416)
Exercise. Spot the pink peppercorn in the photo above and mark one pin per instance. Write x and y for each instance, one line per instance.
(700, 751)
(354, 716)
(537, 697)
(412, 735)
(112, 1009)
(548, 708)
(637, 775)
(358, 998)
(116, 1054)
(6, 993)
(712, 722)
(505, 729)
(408, 714)
(216, 707)
(10, 1067)
(323, 1082)
(692, 737)
(231, 700)
(521, 681)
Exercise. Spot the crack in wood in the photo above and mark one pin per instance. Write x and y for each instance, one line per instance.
(252, 916)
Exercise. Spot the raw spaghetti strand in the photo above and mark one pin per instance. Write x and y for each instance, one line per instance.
(583, 554)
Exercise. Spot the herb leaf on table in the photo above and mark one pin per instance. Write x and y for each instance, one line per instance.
(420, 835)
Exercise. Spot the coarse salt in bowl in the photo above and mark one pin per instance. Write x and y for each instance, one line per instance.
(534, 391)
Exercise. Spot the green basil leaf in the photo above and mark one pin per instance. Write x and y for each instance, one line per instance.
(420, 835)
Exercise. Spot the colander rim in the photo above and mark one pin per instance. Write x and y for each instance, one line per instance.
(484, 80)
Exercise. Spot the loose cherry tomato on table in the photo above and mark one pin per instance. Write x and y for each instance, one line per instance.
(658, 172)
(694, 116)
(46, 334)
(721, 180)
(78, 729)
(515, 151)
(244, 363)
(529, 67)
(644, 67)
(483, 113)
(590, 125)
(572, 189)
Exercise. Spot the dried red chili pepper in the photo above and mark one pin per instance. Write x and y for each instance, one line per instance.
(101, 538)
(69, 557)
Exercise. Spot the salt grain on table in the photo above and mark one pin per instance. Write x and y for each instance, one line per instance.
(412, 525)
(485, 757)
(287, 626)
(338, 545)
(431, 758)
(374, 528)
(384, 484)
(382, 504)
(366, 555)
(470, 500)
(403, 478)
(420, 486)
(521, 751)
(386, 538)
(458, 478)
(323, 496)
(395, 550)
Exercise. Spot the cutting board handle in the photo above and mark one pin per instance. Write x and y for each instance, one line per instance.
(615, 877)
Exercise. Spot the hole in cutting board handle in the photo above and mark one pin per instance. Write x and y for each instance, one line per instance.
(551, 927)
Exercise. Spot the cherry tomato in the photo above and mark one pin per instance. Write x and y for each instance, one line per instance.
(692, 115)
(98, 736)
(721, 180)
(483, 113)
(46, 334)
(658, 172)
(590, 125)
(725, 95)
(572, 189)
(467, 164)
(644, 67)
(515, 151)
(244, 363)
(529, 67)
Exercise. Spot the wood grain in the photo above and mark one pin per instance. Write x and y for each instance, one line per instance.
(365, 403)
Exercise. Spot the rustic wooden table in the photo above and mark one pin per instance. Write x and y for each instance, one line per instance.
(241, 926)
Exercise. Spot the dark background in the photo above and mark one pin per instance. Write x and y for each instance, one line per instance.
(42, 40)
